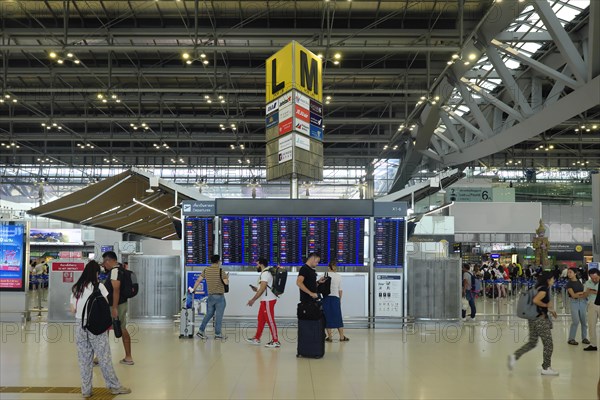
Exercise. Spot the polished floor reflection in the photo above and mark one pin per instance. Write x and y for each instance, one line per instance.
(433, 361)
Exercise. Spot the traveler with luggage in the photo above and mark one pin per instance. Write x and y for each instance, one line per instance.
(266, 313)
(218, 283)
(578, 308)
(93, 320)
(117, 299)
(311, 324)
(332, 307)
(540, 326)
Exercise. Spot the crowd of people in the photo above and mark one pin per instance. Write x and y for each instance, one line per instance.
(581, 287)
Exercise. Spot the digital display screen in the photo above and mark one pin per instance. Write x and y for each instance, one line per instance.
(56, 237)
(389, 243)
(198, 241)
(12, 256)
(285, 240)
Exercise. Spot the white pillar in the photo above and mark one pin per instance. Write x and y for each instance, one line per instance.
(596, 216)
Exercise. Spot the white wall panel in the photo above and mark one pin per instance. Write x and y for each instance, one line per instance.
(496, 217)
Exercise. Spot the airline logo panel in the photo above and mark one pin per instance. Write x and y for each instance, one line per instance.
(272, 120)
(302, 114)
(272, 106)
(286, 112)
(316, 132)
(316, 107)
(316, 120)
(286, 126)
(301, 100)
(302, 127)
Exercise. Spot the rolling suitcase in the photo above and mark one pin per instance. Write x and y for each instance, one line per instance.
(186, 323)
(311, 330)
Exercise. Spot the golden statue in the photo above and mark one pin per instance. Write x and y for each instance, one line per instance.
(541, 246)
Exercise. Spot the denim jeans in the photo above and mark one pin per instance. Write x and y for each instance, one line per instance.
(470, 296)
(578, 314)
(214, 305)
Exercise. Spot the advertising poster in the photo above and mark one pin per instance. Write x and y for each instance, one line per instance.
(202, 290)
(12, 256)
(388, 295)
(58, 237)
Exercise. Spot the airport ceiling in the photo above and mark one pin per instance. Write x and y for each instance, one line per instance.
(109, 81)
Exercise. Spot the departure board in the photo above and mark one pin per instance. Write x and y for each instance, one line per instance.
(316, 232)
(198, 241)
(389, 243)
(232, 240)
(287, 241)
(348, 241)
(258, 239)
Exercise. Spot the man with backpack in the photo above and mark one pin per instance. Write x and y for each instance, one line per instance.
(468, 287)
(266, 313)
(117, 298)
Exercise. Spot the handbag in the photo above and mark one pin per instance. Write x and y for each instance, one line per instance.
(324, 287)
(310, 310)
(225, 287)
(117, 328)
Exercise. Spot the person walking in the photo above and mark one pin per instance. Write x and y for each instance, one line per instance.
(541, 327)
(118, 302)
(216, 280)
(332, 307)
(579, 301)
(467, 292)
(87, 343)
(266, 313)
(593, 310)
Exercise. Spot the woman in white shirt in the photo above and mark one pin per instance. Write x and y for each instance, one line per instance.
(89, 344)
(332, 307)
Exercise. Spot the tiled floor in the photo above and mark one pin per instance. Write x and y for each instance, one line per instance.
(437, 361)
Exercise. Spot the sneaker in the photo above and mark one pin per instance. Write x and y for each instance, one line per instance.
(550, 372)
(220, 337)
(472, 319)
(201, 335)
(253, 341)
(273, 345)
(572, 342)
(591, 348)
(585, 341)
(86, 395)
(512, 360)
(121, 390)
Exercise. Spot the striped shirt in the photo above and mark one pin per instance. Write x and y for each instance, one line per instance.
(213, 276)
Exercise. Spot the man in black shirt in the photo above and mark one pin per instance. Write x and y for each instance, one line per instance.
(307, 278)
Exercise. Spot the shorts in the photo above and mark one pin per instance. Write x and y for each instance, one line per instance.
(122, 311)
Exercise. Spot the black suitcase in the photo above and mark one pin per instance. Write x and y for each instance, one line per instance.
(311, 338)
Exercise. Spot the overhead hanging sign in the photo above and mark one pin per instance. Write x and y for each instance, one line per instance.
(294, 92)
(294, 67)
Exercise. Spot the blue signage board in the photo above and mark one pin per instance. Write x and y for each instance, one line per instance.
(13, 237)
(316, 132)
(191, 278)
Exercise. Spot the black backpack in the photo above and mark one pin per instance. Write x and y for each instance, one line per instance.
(129, 284)
(486, 275)
(96, 313)
(325, 287)
(279, 280)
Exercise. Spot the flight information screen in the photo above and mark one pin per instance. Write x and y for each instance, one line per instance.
(348, 241)
(199, 241)
(286, 240)
(232, 240)
(389, 243)
(318, 239)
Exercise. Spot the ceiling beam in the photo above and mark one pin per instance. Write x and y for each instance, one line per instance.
(579, 101)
